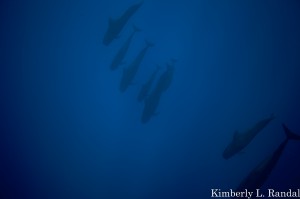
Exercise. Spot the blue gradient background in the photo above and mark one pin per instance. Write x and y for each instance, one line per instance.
(67, 131)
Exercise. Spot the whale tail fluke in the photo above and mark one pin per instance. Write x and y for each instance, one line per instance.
(289, 134)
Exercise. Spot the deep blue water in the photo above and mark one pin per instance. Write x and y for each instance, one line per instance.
(68, 132)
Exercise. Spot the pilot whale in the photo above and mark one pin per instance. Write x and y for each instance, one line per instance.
(118, 59)
(144, 92)
(165, 79)
(115, 26)
(130, 72)
(241, 140)
(150, 106)
(257, 177)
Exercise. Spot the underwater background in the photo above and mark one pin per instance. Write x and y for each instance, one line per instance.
(68, 132)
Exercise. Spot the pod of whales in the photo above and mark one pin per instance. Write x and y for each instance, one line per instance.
(153, 88)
